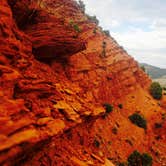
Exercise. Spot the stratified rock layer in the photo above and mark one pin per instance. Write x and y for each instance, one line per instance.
(55, 76)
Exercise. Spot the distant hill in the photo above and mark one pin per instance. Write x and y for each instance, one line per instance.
(161, 80)
(153, 71)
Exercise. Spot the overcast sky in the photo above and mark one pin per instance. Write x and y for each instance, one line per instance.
(138, 25)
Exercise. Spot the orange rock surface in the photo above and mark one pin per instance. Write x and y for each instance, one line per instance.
(54, 80)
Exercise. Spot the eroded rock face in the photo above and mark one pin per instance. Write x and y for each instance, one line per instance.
(54, 80)
(51, 37)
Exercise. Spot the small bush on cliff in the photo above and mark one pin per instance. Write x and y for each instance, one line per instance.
(134, 159)
(107, 33)
(146, 159)
(137, 159)
(156, 90)
(108, 107)
(82, 6)
(93, 19)
(95, 30)
(138, 120)
(75, 26)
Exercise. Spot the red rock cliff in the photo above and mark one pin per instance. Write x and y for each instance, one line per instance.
(57, 68)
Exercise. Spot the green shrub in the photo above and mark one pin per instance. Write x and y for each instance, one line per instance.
(93, 19)
(106, 32)
(76, 28)
(146, 159)
(95, 30)
(138, 120)
(108, 107)
(134, 159)
(156, 90)
(137, 159)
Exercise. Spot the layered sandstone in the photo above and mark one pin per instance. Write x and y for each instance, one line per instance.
(54, 80)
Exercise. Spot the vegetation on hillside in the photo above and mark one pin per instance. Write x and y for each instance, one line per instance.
(108, 107)
(106, 32)
(75, 26)
(93, 19)
(138, 159)
(156, 90)
(138, 120)
(82, 6)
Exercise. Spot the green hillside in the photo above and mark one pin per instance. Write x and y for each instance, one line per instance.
(154, 72)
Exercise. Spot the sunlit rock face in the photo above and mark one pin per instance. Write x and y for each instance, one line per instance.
(57, 69)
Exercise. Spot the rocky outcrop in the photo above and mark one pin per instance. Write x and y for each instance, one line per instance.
(55, 78)
(51, 37)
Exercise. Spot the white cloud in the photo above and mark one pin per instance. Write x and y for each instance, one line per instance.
(159, 23)
(138, 25)
(149, 47)
(139, 39)
(114, 23)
